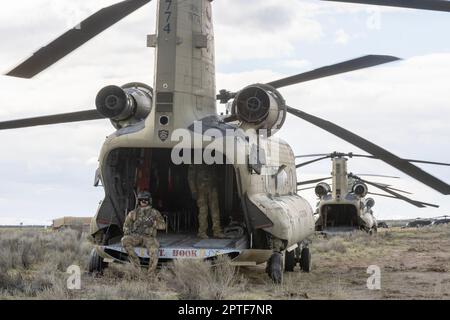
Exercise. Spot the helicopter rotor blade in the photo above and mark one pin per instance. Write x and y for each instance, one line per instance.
(399, 190)
(312, 155)
(381, 195)
(331, 70)
(392, 197)
(416, 203)
(380, 153)
(429, 162)
(409, 160)
(377, 176)
(353, 155)
(312, 181)
(435, 5)
(75, 38)
(78, 116)
(303, 189)
(309, 162)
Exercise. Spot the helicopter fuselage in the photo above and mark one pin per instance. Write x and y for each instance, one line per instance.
(258, 199)
(344, 208)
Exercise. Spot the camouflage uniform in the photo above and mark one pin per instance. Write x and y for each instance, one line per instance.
(140, 229)
(203, 183)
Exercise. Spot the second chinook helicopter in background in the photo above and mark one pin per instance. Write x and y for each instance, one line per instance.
(344, 206)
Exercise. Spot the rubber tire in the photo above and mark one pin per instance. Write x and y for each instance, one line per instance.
(96, 263)
(275, 267)
(305, 260)
(289, 261)
(298, 252)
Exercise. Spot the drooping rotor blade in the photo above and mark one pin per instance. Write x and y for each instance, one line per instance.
(309, 162)
(418, 204)
(409, 160)
(75, 38)
(343, 67)
(353, 155)
(380, 153)
(429, 162)
(52, 119)
(392, 197)
(399, 190)
(377, 175)
(388, 186)
(303, 189)
(435, 5)
(381, 195)
(312, 181)
(312, 155)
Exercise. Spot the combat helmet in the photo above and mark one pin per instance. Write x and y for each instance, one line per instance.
(145, 195)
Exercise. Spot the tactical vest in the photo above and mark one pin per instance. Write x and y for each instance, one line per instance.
(145, 221)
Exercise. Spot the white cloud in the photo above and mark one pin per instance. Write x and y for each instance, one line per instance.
(295, 63)
(275, 28)
(341, 37)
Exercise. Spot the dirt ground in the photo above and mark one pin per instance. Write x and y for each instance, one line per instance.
(414, 264)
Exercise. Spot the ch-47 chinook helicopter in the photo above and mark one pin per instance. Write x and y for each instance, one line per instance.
(262, 214)
(344, 206)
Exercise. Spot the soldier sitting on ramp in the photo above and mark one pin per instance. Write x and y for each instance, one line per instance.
(140, 229)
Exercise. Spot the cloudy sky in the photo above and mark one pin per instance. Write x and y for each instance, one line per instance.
(48, 172)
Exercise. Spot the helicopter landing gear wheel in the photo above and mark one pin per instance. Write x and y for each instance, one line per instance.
(96, 263)
(290, 261)
(275, 267)
(373, 231)
(305, 260)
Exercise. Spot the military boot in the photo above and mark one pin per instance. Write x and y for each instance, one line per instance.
(218, 234)
(202, 235)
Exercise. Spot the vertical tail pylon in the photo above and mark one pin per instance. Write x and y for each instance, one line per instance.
(185, 67)
(340, 179)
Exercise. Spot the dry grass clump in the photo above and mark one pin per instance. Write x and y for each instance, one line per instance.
(334, 244)
(21, 250)
(294, 287)
(199, 280)
(32, 262)
(125, 271)
(129, 290)
(440, 228)
(335, 290)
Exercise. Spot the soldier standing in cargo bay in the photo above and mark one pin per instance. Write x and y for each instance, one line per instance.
(140, 229)
(203, 184)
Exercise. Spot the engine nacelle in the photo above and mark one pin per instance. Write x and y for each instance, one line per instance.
(322, 189)
(360, 189)
(125, 105)
(260, 106)
(369, 203)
